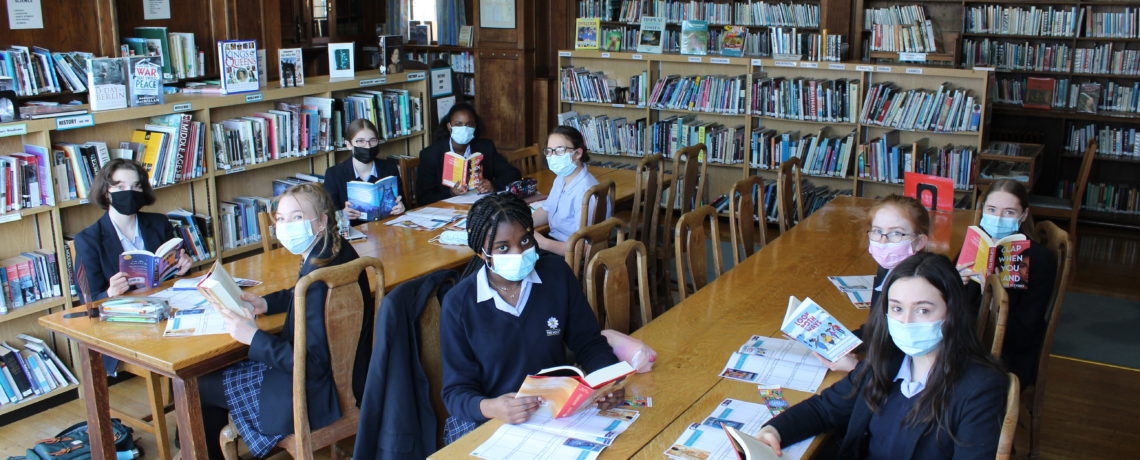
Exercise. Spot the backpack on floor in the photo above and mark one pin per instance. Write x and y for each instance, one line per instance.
(72, 444)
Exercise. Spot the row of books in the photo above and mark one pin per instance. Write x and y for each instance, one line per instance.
(700, 93)
(30, 368)
(820, 153)
(723, 144)
(1107, 59)
(171, 147)
(806, 46)
(884, 159)
(34, 71)
(178, 51)
(1004, 55)
(902, 28)
(1104, 197)
(196, 231)
(25, 180)
(284, 183)
(675, 11)
(291, 130)
(1109, 249)
(395, 112)
(806, 99)
(238, 220)
(611, 136)
(1116, 141)
(948, 109)
(582, 85)
(1017, 20)
(1113, 24)
(28, 278)
(619, 38)
(460, 61)
(676, 132)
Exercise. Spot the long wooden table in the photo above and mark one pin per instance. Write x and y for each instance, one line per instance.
(695, 338)
(624, 180)
(405, 253)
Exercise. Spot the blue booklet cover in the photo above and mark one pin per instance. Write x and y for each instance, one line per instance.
(374, 200)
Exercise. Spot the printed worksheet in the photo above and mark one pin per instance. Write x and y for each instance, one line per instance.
(857, 288)
(779, 362)
(707, 439)
(466, 198)
(181, 299)
(601, 426)
(195, 321)
(425, 218)
(512, 442)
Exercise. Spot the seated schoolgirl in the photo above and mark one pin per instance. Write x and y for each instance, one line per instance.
(258, 392)
(515, 316)
(458, 132)
(567, 157)
(364, 141)
(926, 389)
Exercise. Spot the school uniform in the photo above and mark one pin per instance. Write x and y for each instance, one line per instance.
(1026, 323)
(976, 410)
(429, 175)
(258, 392)
(97, 247)
(339, 175)
(564, 204)
(490, 346)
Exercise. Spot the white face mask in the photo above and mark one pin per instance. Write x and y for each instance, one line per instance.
(999, 227)
(462, 135)
(562, 165)
(296, 236)
(514, 267)
(915, 339)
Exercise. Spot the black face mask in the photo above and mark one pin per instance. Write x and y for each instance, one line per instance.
(365, 154)
(127, 202)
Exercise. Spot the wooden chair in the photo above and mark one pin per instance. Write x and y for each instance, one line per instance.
(431, 358)
(746, 218)
(408, 166)
(691, 247)
(788, 192)
(686, 192)
(1009, 423)
(644, 220)
(588, 240)
(601, 197)
(268, 239)
(1058, 208)
(1060, 244)
(608, 285)
(528, 160)
(993, 314)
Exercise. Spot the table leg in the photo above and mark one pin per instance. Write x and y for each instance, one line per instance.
(188, 407)
(155, 387)
(98, 403)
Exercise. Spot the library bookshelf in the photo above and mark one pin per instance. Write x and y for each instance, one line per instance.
(45, 227)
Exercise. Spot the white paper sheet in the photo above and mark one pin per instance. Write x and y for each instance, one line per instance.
(425, 218)
(857, 288)
(781, 362)
(512, 442)
(195, 321)
(707, 440)
(466, 198)
(589, 424)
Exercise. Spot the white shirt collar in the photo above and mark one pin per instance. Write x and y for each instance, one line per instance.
(372, 174)
(484, 292)
(136, 244)
(910, 386)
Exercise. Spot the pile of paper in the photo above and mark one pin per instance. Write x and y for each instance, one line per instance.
(430, 218)
(708, 440)
(775, 362)
(580, 436)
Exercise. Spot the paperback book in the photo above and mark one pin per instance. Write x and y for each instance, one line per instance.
(566, 389)
(809, 324)
(391, 57)
(936, 193)
(586, 33)
(107, 82)
(238, 63)
(149, 269)
(221, 289)
(612, 40)
(651, 34)
(458, 170)
(291, 67)
(374, 200)
(694, 37)
(341, 60)
(985, 256)
(1039, 93)
(1088, 97)
(732, 41)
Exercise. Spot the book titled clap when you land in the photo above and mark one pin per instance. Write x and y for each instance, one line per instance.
(238, 59)
(1006, 257)
(374, 200)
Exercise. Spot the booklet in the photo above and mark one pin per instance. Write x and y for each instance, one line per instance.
(1006, 257)
(809, 324)
(711, 438)
(772, 361)
(195, 321)
(591, 424)
(857, 288)
(463, 171)
(566, 389)
(149, 269)
(374, 200)
(219, 287)
(511, 442)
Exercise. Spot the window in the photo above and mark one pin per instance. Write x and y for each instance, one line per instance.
(424, 10)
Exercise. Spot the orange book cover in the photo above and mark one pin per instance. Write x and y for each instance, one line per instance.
(566, 394)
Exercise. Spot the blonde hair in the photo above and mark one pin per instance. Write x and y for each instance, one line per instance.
(322, 203)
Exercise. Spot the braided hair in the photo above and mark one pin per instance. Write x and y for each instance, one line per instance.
(486, 215)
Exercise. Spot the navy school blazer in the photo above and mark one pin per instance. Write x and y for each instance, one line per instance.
(339, 175)
(276, 351)
(429, 175)
(97, 248)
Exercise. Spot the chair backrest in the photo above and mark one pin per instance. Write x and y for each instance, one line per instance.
(644, 217)
(596, 202)
(608, 285)
(691, 247)
(1009, 423)
(343, 308)
(1083, 177)
(993, 314)
(528, 160)
(1060, 244)
(688, 182)
(789, 193)
(268, 239)
(408, 169)
(588, 240)
(746, 217)
(431, 358)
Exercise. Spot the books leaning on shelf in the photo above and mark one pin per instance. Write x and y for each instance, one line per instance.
(1103, 197)
(566, 389)
(290, 130)
(946, 110)
(1013, 20)
(35, 71)
(25, 179)
(283, 184)
(582, 85)
(901, 28)
(1111, 141)
(374, 200)
(31, 370)
(395, 112)
(29, 278)
(221, 289)
(196, 230)
(608, 135)
(1005, 55)
(181, 57)
(745, 14)
(985, 256)
(821, 154)
(238, 220)
(149, 269)
(725, 144)
(806, 99)
(290, 67)
(1121, 23)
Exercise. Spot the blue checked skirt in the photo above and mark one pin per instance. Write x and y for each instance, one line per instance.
(455, 428)
(242, 382)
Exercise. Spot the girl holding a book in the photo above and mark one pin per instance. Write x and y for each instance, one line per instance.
(362, 138)
(927, 387)
(515, 315)
(257, 393)
(567, 157)
(458, 133)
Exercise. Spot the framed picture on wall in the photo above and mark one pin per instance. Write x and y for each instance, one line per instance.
(497, 14)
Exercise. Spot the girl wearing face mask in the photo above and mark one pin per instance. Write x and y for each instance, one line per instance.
(364, 166)
(567, 157)
(1005, 211)
(927, 388)
(257, 392)
(900, 228)
(458, 133)
(514, 316)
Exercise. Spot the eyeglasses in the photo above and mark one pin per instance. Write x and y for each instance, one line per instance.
(366, 142)
(894, 237)
(560, 150)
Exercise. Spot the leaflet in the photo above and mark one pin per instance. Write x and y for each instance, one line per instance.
(775, 362)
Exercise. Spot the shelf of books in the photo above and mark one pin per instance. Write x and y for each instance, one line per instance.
(214, 161)
(856, 127)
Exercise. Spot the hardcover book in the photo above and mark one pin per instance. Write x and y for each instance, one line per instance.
(391, 54)
(1038, 93)
(145, 77)
(936, 193)
(586, 33)
(159, 34)
(341, 61)
(650, 36)
(732, 41)
(291, 67)
(238, 64)
(149, 269)
(465, 35)
(612, 41)
(107, 82)
(374, 200)
(1088, 97)
(694, 37)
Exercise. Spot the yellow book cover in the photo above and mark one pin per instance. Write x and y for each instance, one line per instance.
(587, 31)
(153, 141)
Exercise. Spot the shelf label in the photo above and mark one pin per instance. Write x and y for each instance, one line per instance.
(914, 70)
(757, 62)
(373, 81)
(235, 170)
(253, 97)
(620, 106)
(637, 56)
(563, 54)
(17, 129)
(719, 60)
(605, 55)
(415, 76)
(837, 66)
(694, 59)
(84, 201)
(183, 107)
(78, 121)
(912, 57)
(809, 65)
(865, 68)
(985, 69)
(11, 217)
(882, 68)
(786, 63)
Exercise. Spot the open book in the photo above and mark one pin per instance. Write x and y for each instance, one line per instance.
(220, 288)
(1006, 257)
(567, 389)
(374, 200)
(748, 447)
(809, 324)
(149, 269)
(463, 171)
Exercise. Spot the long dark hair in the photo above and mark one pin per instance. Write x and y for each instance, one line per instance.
(441, 133)
(484, 218)
(959, 346)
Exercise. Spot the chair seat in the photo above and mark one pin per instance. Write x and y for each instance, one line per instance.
(1043, 201)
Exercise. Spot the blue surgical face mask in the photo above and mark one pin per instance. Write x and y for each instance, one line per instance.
(514, 267)
(296, 236)
(999, 227)
(462, 135)
(562, 165)
(915, 339)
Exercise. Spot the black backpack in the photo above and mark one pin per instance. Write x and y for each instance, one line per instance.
(72, 444)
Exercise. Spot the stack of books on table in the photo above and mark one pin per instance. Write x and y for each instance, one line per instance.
(147, 310)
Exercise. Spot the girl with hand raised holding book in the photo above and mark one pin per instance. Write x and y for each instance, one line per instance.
(567, 157)
(514, 316)
(257, 393)
(927, 388)
(362, 138)
(458, 133)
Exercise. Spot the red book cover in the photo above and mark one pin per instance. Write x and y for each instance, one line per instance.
(936, 193)
(1038, 93)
